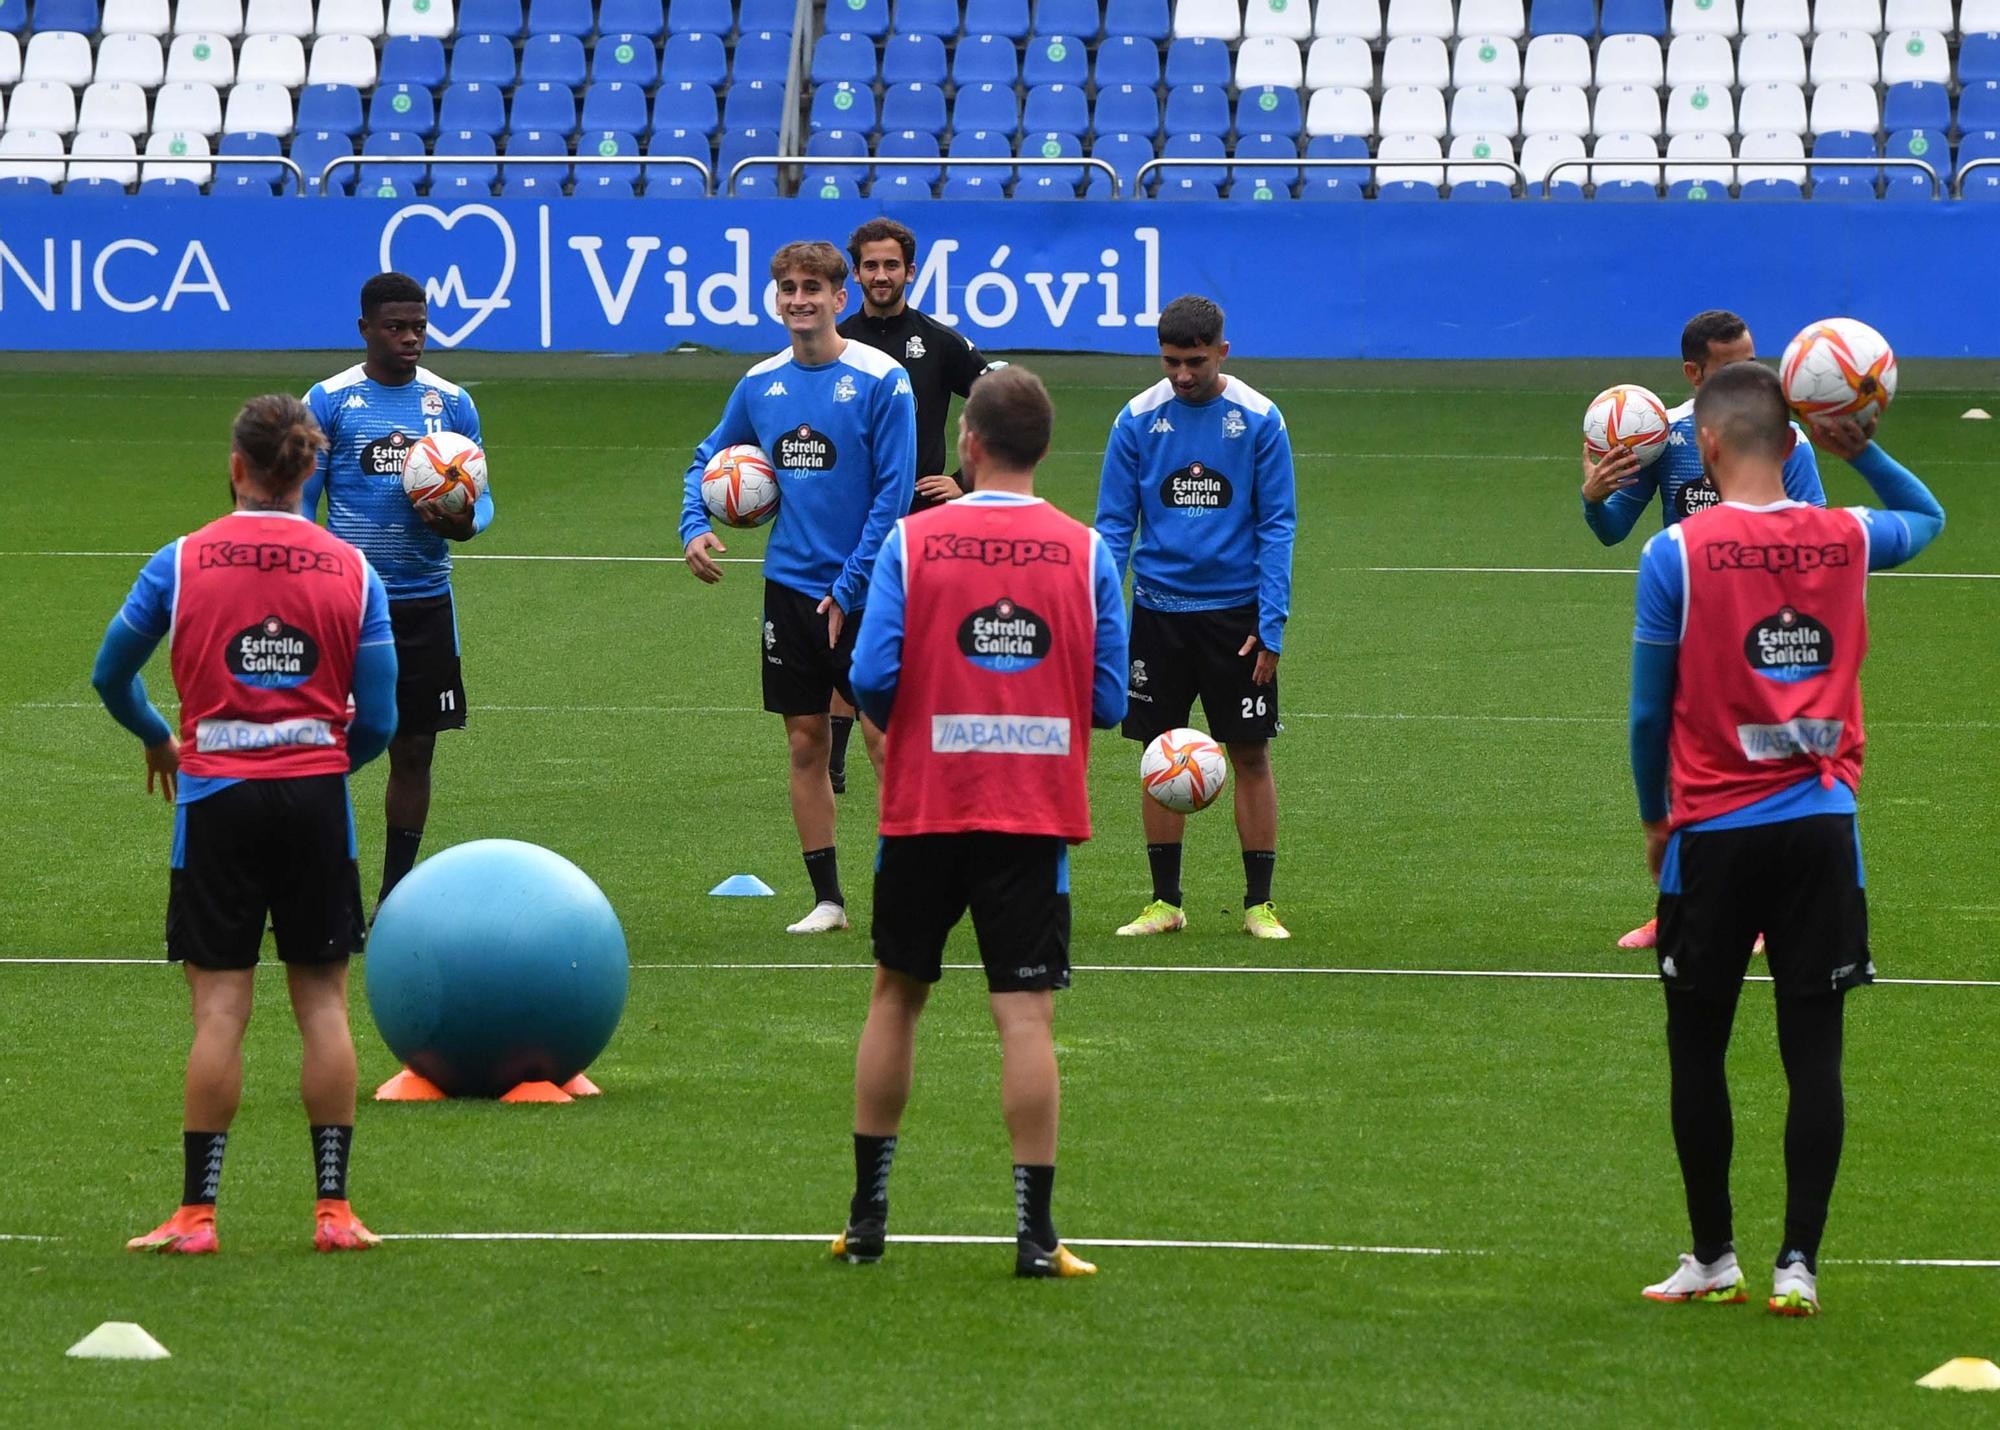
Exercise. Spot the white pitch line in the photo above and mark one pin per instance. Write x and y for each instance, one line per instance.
(19, 1236)
(1973, 1262)
(1133, 1243)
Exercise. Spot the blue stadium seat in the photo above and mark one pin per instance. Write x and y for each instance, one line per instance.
(915, 106)
(674, 184)
(839, 144)
(148, 188)
(1126, 60)
(1339, 146)
(1563, 17)
(909, 144)
(80, 15)
(685, 143)
(1051, 145)
(1056, 59)
(538, 144)
(14, 21)
(1627, 191)
(1005, 18)
(465, 143)
(458, 186)
(974, 186)
(1916, 106)
(250, 144)
(312, 151)
(1185, 189)
(1765, 190)
(1259, 188)
(895, 187)
(753, 15)
(1269, 109)
(1983, 186)
(631, 58)
(390, 142)
(1978, 144)
(1198, 61)
(532, 184)
(1696, 191)
(1844, 144)
(473, 106)
(544, 106)
(412, 59)
(1198, 109)
(1068, 17)
(1330, 184)
(597, 184)
(936, 18)
(981, 144)
(1125, 152)
(402, 106)
(1979, 106)
(740, 144)
(1930, 146)
(1843, 186)
(845, 56)
(1193, 146)
(489, 17)
(1411, 191)
(1147, 19)
(829, 185)
(765, 55)
(843, 106)
(553, 59)
(1127, 108)
(982, 59)
(1635, 17)
(1057, 108)
(562, 17)
(606, 144)
(1979, 58)
(240, 187)
(1901, 185)
(1049, 187)
(676, 106)
(913, 59)
(1266, 146)
(1480, 191)
(483, 59)
(335, 108)
(754, 104)
(697, 17)
(385, 185)
(622, 107)
(870, 17)
(648, 18)
(987, 106)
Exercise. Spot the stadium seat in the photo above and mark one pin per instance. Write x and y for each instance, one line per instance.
(42, 105)
(1126, 109)
(838, 144)
(1334, 184)
(845, 57)
(151, 17)
(1925, 148)
(1557, 59)
(278, 17)
(1406, 190)
(647, 18)
(1416, 59)
(547, 106)
(1191, 109)
(1355, 19)
(271, 59)
(312, 151)
(685, 143)
(1843, 56)
(131, 58)
(1410, 109)
(910, 144)
(78, 15)
(1981, 144)
(1055, 59)
(1271, 109)
(689, 17)
(209, 17)
(1408, 146)
(1262, 147)
(59, 57)
(1485, 109)
(1864, 16)
(1269, 60)
(1502, 19)
(1061, 109)
(895, 187)
(1978, 16)
(920, 59)
(538, 144)
(934, 19)
(1844, 186)
(1340, 111)
(1480, 146)
(974, 186)
(266, 146)
(1006, 18)
(1542, 152)
(1185, 189)
(1123, 60)
(764, 55)
(1844, 105)
(334, 108)
(421, 19)
(389, 144)
(1978, 106)
(1487, 60)
(1906, 185)
(1344, 147)
(1763, 107)
(1563, 17)
(175, 145)
(1701, 59)
(465, 143)
(364, 18)
(754, 104)
(1787, 17)
(753, 15)
(596, 184)
(1772, 144)
(473, 106)
(342, 59)
(483, 59)
(922, 107)
(1125, 153)
(870, 17)
(1635, 17)
(1700, 109)
(1903, 15)
(1277, 19)
(1698, 147)
(1626, 191)
(262, 108)
(1624, 146)
(982, 144)
(1340, 60)
(1481, 191)
(1626, 109)
(488, 17)
(160, 188)
(983, 59)
(192, 106)
(683, 105)
(631, 58)
(1698, 190)
(1210, 19)
(386, 184)
(843, 106)
(559, 17)
(1979, 58)
(607, 144)
(1145, 19)
(1258, 188)
(106, 155)
(10, 58)
(1419, 17)
(1916, 106)
(1915, 56)
(622, 107)
(31, 154)
(1081, 18)
(1198, 60)
(1630, 59)
(987, 106)
(88, 185)
(413, 60)
(1772, 57)
(553, 59)
(1051, 145)
(1193, 147)
(1704, 17)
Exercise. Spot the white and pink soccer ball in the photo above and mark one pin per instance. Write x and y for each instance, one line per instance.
(1627, 416)
(1838, 367)
(445, 467)
(739, 486)
(1183, 770)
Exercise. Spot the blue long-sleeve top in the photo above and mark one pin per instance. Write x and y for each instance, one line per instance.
(1685, 488)
(1208, 490)
(878, 650)
(1910, 521)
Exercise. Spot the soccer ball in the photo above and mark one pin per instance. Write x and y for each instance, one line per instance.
(1183, 770)
(1838, 367)
(1626, 416)
(739, 486)
(445, 467)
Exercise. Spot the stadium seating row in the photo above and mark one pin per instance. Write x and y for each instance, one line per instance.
(372, 19)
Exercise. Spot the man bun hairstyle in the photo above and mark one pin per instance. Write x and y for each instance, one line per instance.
(875, 231)
(1190, 322)
(814, 256)
(390, 288)
(1010, 412)
(280, 439)
(1716, 325)
(1743, 404)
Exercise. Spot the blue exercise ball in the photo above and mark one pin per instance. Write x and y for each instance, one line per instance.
(495, 963)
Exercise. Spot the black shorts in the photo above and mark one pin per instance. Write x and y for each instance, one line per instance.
(1016, 885)
(801, 672)
(1177, 655)
(1797, 882)
(430, 686)
(276, 849)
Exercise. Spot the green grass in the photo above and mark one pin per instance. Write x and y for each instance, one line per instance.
(1454, 795)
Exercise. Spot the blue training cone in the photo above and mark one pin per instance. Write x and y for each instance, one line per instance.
(742, 886)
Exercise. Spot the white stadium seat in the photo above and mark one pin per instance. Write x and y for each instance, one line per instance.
(1480, 146)
(114, 152)
(277, 17)
(1340, 60)
(1207, 19)
(1705, 145)
(1412, 109)
(42, 104)
(1703, 17)
(1763, 107)
(1700, 109)
(258, 109)
(209, 17)
(351, 17)
(1626, 109)
(1555, 109)
(3, 113)
(1542, 152)
(24, 152)
(271, 59)
(204, 57)
(1845, 106)
(1773, 57)
(1862, 15)
(1771, 144)
(1916, 55)
(1340, 111)
(1486, 59)
(1485, 109)
(1625, 146)
(1630, 59)
(113, 104)
(1289, 19)
(62, 56)
(1416, 59)
(1557, 59)
(132, 56)
(191, 105)
(1701, 59)
(342, 59)
(1788, 17)
(10, 58)
(1358, 19)
(1844, 55)
(1269, 59)
(135, 17)
(1409, 146)
(1503, 18)
(177, 144)
(1979, 17)
(1419, 17)
(1917, 15)
(432, 20)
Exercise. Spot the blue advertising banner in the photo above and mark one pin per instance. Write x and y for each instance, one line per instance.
(1528, 279)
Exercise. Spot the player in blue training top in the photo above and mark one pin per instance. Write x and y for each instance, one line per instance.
(840, 424)
(372, 414)
(1200, 466)
(1617, 490)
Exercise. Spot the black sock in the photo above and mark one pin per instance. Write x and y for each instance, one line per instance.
(1166, 862)
(331, 1144)
(843, 727)
(872, 1156)
(823, 868)
(1792, 1253)
(1033, 1187)
(201, 1167)
(1258, 866)
(1704, 1134)
(399, 856)
(1816, 1120)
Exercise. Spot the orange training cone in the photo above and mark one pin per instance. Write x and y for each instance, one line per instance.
(536, 1092)
(581, 1086)
(407, 1086)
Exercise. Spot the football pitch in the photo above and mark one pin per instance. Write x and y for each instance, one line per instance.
(1457, 1179)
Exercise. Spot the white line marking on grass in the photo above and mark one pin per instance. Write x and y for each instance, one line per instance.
(1132, 1243)
(1973, 1262)
(20, 1236)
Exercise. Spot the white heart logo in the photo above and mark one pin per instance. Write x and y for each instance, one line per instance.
(450, 289)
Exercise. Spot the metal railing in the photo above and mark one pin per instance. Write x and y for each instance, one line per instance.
(1958, 179)
(1735, 166)
(1187, 162)
(545, 161)
(859, 161)
(795, 75)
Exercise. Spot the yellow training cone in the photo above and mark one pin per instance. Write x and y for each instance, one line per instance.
(1964, 1373)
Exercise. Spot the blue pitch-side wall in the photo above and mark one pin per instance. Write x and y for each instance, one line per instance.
(1521, 279)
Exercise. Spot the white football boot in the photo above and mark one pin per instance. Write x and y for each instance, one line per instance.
(1795, 1290)
(1719, 1282)
(826, 917)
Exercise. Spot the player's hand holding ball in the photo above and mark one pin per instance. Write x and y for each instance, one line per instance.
(443, 477)
(1843, 436)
